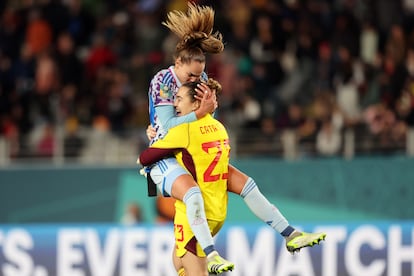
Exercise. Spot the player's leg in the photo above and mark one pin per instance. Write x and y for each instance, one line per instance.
(193, 265)
(178, 264)
(186, 189)
(247, 188)
(185, 262)
(176, 261)
(190, 264)
(187, 248)
(173, 180)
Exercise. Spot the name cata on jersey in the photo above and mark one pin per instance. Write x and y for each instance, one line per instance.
(108, 250)
(210, 128)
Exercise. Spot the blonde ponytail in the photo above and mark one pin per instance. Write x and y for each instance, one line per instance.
(195, 29)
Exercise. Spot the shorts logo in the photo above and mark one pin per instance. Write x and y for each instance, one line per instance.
(165, 92)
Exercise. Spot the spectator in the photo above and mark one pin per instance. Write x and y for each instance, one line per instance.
(69, 65)
(328, 139)
(132, 214)
(100, 56)
(10, 132)
(81, 22)
(38, 32)
(73, 142)
(369, 42)
(45, 147)
(9, 33)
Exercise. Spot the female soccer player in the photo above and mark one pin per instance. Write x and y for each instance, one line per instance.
(203, 148)
(195, 30)
(171, 178)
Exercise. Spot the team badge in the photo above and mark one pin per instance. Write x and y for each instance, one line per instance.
(165, 92)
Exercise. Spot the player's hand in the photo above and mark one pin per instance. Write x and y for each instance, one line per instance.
(208, 100)
(143, 171)
(151, 132)
(215, 99)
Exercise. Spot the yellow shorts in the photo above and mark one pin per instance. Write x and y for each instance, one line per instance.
(184, 237)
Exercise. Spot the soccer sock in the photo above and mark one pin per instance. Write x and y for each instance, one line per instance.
(197, 219)
(263, 209)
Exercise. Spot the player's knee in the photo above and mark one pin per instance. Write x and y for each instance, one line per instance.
(193, 196)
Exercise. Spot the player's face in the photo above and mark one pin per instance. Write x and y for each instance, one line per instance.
(183, 103)
(187, 72)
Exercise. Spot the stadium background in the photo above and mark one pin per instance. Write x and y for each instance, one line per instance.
(317, 97)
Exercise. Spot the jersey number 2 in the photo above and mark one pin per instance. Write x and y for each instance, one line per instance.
(208, 174)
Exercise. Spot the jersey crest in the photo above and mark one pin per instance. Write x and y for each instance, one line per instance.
(165, 92)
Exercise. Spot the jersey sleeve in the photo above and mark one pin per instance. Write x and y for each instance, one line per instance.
(169, 120)
(160, 91)
(166, 115)
(161, 94)
(177, 137)
(151, 155)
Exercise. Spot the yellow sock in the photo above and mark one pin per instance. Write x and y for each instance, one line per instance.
(181, 272)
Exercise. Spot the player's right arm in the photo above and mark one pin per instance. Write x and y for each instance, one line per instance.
(166, 113)
(162, 93)
(176, 139)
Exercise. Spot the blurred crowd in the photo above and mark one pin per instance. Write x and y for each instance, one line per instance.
(317, 67)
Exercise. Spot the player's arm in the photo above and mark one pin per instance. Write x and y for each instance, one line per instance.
(161, 103)
(166, 113)
(176, 139)
(151, 155)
